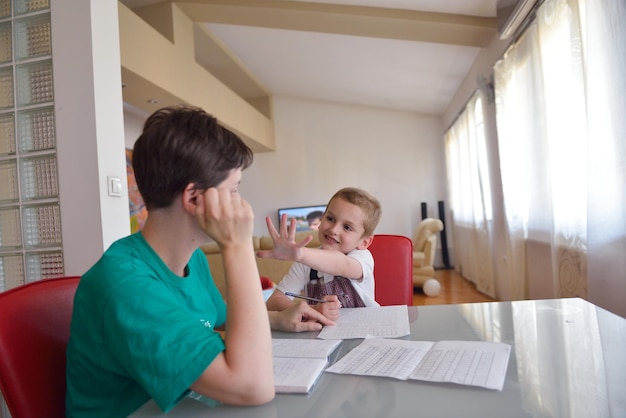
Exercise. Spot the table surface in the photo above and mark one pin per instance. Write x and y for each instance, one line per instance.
(568, 359)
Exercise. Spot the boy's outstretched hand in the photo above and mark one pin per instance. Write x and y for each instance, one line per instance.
(285, 245)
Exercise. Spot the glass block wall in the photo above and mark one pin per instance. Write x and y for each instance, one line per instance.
(30, 221)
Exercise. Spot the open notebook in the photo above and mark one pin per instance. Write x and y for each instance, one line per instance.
(299, 363)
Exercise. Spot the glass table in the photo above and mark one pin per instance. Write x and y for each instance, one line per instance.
(568, 359)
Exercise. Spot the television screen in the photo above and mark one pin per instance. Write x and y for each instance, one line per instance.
(307, 217)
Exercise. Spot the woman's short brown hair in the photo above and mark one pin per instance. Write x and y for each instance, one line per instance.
(182, 145)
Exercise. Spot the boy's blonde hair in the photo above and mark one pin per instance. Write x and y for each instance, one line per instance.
(368, 203)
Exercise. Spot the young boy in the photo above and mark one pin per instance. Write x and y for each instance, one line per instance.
(341, 272)
(145, 315)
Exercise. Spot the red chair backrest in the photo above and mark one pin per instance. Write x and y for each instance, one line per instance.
(393, 269)
(34, 331)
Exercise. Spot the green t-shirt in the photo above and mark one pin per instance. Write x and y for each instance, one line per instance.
(139, 331)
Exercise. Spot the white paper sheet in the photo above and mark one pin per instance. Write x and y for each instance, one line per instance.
(380, 322)
(475, 363)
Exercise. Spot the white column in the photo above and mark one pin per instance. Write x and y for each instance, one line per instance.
(90, 128)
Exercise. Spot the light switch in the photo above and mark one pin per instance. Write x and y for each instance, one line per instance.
(115, 186)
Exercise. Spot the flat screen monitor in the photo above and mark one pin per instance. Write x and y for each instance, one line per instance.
(305, 216)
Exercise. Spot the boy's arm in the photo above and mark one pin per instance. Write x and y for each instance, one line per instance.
(285, 247)
(332, 262)
(330, 309)
(278, 301)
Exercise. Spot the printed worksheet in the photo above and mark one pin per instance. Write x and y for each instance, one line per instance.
(379, 322)
(475, 363)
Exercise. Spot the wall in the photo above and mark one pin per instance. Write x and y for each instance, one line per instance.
(321, 147)
(482, 69)
(134, 119)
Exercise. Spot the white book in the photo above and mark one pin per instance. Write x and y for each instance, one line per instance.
(474, 363)
(299, 363)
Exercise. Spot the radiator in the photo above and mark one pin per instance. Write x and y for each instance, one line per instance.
(571, 271)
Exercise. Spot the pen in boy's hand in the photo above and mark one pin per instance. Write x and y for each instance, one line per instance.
(305, 297)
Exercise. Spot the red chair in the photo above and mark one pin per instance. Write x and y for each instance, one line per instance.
(34, 331)
(266, 283)
(393, 269)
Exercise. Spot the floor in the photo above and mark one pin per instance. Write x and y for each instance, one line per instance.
(454, 289)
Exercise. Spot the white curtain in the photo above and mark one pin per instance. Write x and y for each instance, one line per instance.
(561, 101)
(542, 139)
(470, 196)
(604, 36)
(560, 106)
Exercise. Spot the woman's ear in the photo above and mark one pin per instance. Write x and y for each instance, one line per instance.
(365, 243)
(191, 198)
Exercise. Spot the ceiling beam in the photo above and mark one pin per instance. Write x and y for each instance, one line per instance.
(374, 22)
(157, 72)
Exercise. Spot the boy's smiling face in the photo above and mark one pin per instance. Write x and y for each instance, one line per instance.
(342, 228)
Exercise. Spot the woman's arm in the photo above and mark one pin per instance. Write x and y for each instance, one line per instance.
(233, 376)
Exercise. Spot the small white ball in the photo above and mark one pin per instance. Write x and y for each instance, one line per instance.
(431, 287)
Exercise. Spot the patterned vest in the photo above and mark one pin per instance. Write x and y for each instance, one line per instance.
(340, 286)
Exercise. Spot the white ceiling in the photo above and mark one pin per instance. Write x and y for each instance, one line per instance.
(402, 74)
